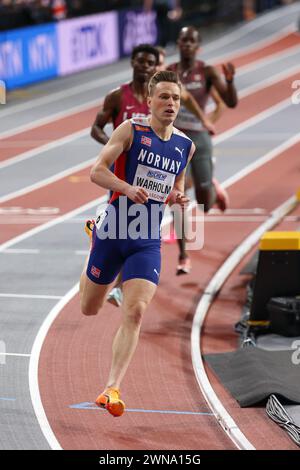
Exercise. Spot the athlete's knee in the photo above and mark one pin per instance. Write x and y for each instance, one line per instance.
(134, 312)
(90, 308)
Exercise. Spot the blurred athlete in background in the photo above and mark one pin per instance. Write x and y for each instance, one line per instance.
(199, 79)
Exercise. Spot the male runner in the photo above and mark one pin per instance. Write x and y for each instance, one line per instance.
(198, 78)
(127, 101)
(130, 100)
(148, 173)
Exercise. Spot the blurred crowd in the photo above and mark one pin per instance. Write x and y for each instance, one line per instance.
(18, 13)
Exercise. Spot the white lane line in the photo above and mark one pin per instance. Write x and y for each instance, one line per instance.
(31, 296)
(212, 46)
(14, 354)
(34, 231)
(266, 61)
(49, 180)
(239, 210)
(253, 120)
(34, 369)
(221, 414)
(261, 161)
(235, 218)
(44, 148)
(284, 75)
(291, 28)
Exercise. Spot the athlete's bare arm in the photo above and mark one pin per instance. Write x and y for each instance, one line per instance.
(120, 141)
(191, 104)
(226, 90)
(215, 115)
(109, 110)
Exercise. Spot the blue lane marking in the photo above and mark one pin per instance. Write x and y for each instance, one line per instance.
(86, 405)
(7, 399)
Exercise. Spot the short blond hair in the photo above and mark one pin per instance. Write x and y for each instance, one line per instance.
(163, 76)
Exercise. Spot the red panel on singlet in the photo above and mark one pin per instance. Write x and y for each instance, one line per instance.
(120, 172)
(130, 106)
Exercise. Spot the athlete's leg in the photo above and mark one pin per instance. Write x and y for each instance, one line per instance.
(181, 225)
(137, 294)
(140, 274)
(202, 171)
(92, 295)
(115, 296)
(100, 270)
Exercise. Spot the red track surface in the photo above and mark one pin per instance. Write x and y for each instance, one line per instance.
(161, 375)
(75, 356)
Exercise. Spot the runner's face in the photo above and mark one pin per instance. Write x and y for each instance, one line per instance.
(188, 43)
(144, 66)
(165, 101)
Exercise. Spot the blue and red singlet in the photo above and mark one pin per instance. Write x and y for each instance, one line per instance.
(127, 235)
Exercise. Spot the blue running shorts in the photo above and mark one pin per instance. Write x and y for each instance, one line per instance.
(137, 259)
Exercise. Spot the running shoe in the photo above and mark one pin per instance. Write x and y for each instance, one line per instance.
(115, 297)
(89, 227)
(184, 266)
(110, 400)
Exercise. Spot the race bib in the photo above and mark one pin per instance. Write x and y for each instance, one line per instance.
(158, 183)
(100, 219)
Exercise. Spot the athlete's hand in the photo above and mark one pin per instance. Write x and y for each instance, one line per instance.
(182, 200)
(209, 126)
(228, 71)
(137, 194)
(177, 197)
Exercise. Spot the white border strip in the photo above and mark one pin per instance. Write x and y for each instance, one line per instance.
(222, 416)
(34, 365)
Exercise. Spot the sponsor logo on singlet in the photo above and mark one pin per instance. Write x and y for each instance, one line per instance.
(159, 184)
